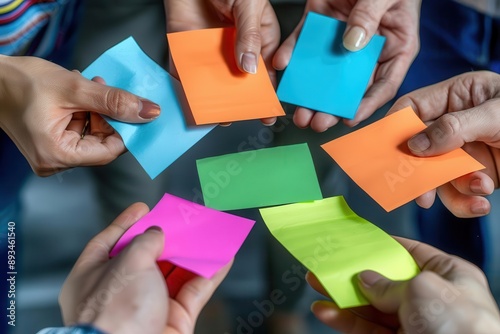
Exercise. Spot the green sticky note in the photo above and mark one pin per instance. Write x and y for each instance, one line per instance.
(335, 244)
(258, 178)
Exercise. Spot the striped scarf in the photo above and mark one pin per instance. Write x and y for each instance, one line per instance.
(35, 27)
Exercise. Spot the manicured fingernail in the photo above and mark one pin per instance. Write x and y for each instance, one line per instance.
(354, 39)
(476, 186)
(479, 208)
(419, 143)
(149, 109)
(369, 277)
(249, 63)
(155, 228)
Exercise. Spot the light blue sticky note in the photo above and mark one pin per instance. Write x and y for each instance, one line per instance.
(159, 143)
(324, 76)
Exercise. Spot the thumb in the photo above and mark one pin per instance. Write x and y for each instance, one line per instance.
(146, 246)
(115, 103)
(247, 17)
(454, 129)
(382, 293)
(363, 23)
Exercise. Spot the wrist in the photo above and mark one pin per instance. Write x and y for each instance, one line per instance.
(14, 86)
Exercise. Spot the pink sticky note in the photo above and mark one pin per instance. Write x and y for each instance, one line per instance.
(199, 239)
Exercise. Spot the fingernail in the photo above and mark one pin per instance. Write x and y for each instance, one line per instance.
(154, 228)
(354, 39)
(476, 186)
(419, 143)
(479, 208)
(369, 278)
(249, 62)
(149, 110)
(269, 124)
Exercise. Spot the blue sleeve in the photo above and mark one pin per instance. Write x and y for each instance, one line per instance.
(80, 329)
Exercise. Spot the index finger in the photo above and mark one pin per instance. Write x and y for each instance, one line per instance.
(428, 103)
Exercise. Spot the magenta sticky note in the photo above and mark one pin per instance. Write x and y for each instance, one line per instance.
(197, 238)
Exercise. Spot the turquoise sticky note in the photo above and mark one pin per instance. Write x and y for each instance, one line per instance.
(159, 143)
(324, 76)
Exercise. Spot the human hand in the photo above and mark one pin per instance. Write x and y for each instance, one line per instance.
(256, 25)
(463, 112)
(128, 294)
(450, 295)
(397, 20)
(44, 110)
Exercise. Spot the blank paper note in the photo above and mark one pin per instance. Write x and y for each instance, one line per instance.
(198, 239)
(324, 76)
(335, 244)
(258, 178)
(156, 145)
(216, 90)
(377, 158)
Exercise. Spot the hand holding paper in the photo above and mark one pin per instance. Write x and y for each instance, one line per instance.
(322, 75)
(397, 20)
(158, 144)
(377, 158)
(434, 301)
(198, 239)
(454, 124)
(335, 244)
(216, 90)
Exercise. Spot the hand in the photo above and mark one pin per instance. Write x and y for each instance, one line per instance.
(397, 20)
(44, 107)
(128, 294)
(256, 25)
(463, 112)
(450, 295)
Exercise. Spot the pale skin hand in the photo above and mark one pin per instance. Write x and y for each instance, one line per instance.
(44, 107)
(128, 294)
(257, 28)
(397, 20)
(463, 111)
(450, 295)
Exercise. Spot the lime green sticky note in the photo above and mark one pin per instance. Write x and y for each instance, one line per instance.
(335, 244)
(258, 178)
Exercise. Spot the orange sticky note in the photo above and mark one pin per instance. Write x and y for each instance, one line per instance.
(216, 90)
(377, 158)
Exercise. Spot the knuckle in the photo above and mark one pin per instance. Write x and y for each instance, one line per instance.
(251, 38)
(367, 15)
(448, 125)
(116, 102)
